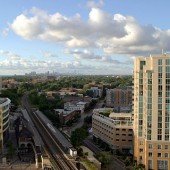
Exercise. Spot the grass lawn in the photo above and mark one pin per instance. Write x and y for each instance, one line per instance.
(89, 165)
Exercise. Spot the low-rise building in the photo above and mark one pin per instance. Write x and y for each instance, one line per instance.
(66, 115)
(116, 129)
(74, 106)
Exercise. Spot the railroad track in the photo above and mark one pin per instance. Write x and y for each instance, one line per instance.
(61, 161)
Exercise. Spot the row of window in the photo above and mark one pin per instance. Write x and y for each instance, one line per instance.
(124, 140)
(117, 134)
(101, 133)
(167, 61)
(166, 147)
(103, 124)
(166, 155)
(100, 127)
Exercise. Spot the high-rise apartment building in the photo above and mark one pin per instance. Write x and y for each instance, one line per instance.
(152, 111)
(119, 98)
(0, 84)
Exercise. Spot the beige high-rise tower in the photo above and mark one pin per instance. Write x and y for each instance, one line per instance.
(152, 112)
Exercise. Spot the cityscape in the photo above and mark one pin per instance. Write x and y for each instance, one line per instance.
(84, 85)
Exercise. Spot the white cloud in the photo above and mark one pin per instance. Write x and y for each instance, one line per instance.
(5, 32)
(16, 64)
(104, 59)
(85, 54)
(48, 54)
(94, 4)
(111, 33)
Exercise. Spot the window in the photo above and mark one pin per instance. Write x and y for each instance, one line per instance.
(150, 146)
(140, 150)
(159, 146)
(160, 75)
(160, 137)
(167, 137)
(160, 69)
(150, 154)
(166, 147)
(167, 62)
(159, 61)
(159, 133)
(141, 143)
(166, 155)
(142, 63)
(149, 164)
(159, 154)
(162, 165)
(167, 69)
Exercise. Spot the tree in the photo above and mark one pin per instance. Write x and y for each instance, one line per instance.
(89, 93)
(78, 136)
(12, 95)
(10, 150)
(127, 161)
(104, 157)
(88, 119)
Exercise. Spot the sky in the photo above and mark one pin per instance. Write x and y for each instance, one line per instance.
(100, 37)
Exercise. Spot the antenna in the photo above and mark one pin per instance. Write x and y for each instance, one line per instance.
(162, 51)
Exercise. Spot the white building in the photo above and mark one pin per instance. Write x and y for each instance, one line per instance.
(71, 106)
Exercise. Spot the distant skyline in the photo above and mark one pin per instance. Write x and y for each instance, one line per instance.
(91, 37)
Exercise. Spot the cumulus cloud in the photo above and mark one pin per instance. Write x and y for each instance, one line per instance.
(88, 55)
(14, 63)
(94, 4)
(48, 54)
(5, 32)
(85, 54)
(111, 33)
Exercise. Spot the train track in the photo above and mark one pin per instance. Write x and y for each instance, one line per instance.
(61, 161)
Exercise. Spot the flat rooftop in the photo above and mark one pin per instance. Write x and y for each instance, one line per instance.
(114, 115)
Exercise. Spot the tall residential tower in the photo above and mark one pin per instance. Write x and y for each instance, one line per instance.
(152, 111)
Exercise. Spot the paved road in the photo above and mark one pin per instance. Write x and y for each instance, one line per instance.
(85, 114)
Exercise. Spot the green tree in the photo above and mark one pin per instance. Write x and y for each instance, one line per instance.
(78, 136)
(127, 161)
(104, 157)
(89, 93)
(10, 150)
(12, 95)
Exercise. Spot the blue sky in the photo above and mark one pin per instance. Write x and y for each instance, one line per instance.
(86, 37)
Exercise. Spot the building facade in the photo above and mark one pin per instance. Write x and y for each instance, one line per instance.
(4, 121)
(115, 130)
(119, 98)
(152, 111)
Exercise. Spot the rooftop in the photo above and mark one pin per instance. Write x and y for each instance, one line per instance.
(120, 115)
